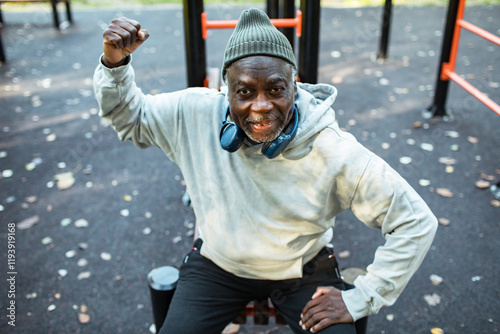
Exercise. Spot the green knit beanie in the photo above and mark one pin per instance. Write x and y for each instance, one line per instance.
(256, 35)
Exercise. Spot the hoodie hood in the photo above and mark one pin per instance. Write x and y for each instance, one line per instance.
(314, 103)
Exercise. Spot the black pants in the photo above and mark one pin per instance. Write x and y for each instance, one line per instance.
(207, 298)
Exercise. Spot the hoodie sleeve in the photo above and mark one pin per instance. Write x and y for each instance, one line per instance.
(383, 199)
(145, 120)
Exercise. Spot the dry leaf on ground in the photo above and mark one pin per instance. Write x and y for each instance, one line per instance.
(486, 176)
(64, 180)
(472, 140)
(28, 223)
(445, 192)
(83, 318)
(444, 221)
(482, 184)
(437, 330)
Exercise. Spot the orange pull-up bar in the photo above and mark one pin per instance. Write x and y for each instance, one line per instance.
(448, 68)
(226, 24)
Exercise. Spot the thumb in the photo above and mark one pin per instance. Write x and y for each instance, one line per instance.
(143, 35)
(321, 290)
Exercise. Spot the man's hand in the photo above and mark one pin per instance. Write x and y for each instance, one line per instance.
(122, 37)
(324, 309)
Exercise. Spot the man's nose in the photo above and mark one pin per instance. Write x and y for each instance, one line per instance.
(261, 104)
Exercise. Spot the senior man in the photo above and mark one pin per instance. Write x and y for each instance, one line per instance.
(268, 170)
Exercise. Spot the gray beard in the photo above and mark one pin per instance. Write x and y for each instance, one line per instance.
(268, 137)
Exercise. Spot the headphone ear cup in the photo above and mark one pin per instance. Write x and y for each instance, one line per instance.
(231, 137)
(272, 149)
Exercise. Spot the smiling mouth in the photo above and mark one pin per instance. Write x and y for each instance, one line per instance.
(263, 126)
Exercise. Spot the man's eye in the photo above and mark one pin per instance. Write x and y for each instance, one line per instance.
(244, 91)
(276, 90)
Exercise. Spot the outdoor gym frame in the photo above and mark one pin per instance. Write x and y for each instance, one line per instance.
(451, 40)
(305, 24)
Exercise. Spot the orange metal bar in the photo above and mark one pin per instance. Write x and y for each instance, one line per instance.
(480, 32)
(448, 69)
(471, 89)
(226, 24)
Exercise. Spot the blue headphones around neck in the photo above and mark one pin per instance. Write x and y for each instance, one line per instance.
(232, 136)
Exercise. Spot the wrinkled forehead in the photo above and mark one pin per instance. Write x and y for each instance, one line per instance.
(265, 65)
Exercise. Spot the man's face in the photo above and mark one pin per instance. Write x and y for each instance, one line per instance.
(261, 93)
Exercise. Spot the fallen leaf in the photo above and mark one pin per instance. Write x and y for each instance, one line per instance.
(83, 245)
(64, 180)
(417, 125)
(472, 140)
(447, 161)
(495, 203)
(433, 299)
(424, 182)
(82, 262)
(51, 137)
(105, 256)
(81, 223)
(444, 221)
(486, 176)
(449, 169)
(445, 192)
(84, 275)
(31, 199)
(83, 318)
(436, 280)
(437, 330)
(405, 160)
(65, 222)
(482, 184)
(28, 223)
(344, 254)
(452, 134)
(390, 317)
(70, 254)
(46, 241)
(32, 295)
(427, 147)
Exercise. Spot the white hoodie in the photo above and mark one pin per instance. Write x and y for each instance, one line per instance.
(265, 218)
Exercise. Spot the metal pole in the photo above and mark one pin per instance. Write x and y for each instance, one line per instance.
(273, 9)
(309, 41)
(386, 27)
(162, 282)
(68, 12)
(55, 14)
(2, 53)
(438, 105)
(289, 13)
(195, 44)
